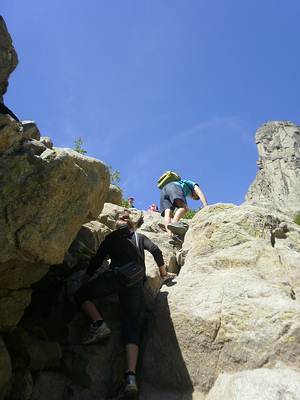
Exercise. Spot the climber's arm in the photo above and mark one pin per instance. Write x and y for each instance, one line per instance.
(201, 195)
(158, 257)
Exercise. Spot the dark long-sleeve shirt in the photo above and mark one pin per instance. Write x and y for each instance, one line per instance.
(117, 246)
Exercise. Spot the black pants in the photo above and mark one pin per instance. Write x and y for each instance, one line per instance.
(131, 301)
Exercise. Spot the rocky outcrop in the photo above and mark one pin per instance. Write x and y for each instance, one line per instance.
(233, 308)
(5, 370)
(109, 215)
(235, 305)
(277, 183)
(258, 384)
(114, 195)
(46, 141)
(86, 244)
(46, 196)
(8, 58)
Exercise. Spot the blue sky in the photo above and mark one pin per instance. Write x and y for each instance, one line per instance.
(158, 85)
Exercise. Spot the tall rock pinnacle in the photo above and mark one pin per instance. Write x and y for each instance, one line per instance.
(277, 183)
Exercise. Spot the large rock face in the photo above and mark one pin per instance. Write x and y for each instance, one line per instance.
(235, 305)
(46, 195)
(5, 370)
(8, 58)
(277, 183)
(258, 384)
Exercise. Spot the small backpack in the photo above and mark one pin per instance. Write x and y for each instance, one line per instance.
(167, 177)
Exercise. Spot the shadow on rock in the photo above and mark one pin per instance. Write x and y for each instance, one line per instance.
(163, 373)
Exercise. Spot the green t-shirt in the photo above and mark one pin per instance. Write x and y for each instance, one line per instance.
(187, 186)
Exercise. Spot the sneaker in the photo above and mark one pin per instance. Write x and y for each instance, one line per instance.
(131, 388)
(175, 240)
(178, 228)
(96, 333)
(168, 278)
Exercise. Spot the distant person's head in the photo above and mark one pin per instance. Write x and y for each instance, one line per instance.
(153, 207)
(130, 201)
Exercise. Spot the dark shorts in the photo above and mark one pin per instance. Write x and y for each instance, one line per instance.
(131, 302)
(169, 194)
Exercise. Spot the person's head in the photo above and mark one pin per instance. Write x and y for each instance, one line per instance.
(124, 220)
(132, 220)
(130, 200)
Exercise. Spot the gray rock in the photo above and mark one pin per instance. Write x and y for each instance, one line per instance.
(30, 130)
(5, 370)
(258, 384)
(44, 201)
(50, 386)
(8, 57)
(277, 183)
(10, 133)
(22, 385)
(76, 392)
(114, 195)
(86, 244)
(20, 274)
(12, 306)
(235, 304)
(100, 367)
(43, 354)
(32, 351)
(33, 147)
(46, 196)
(109, 214)
(47, 141)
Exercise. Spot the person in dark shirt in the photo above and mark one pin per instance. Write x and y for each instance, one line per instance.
(122, 246)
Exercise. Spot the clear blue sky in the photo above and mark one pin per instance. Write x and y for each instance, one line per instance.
(159, 84)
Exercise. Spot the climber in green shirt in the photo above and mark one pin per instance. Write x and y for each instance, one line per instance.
(173, 196)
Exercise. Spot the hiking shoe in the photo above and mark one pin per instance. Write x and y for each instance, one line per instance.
(175, 240)
(178, 228)
(168, 278)
(96, 333)
(131, 388)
